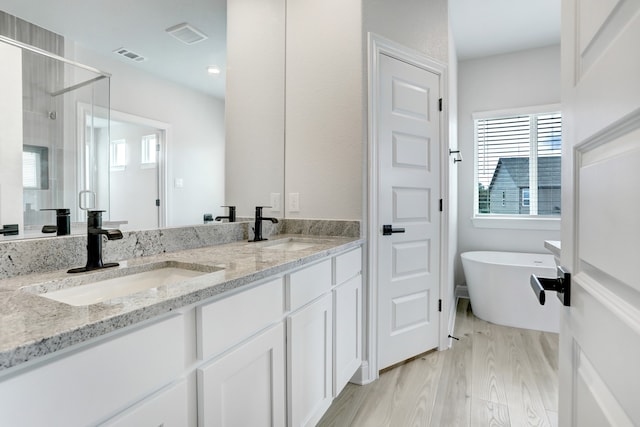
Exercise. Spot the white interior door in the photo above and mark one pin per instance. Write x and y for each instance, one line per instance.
(600, 331)
(137, 192)
(408, 199)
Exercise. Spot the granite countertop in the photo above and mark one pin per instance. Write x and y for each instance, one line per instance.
(32, 326)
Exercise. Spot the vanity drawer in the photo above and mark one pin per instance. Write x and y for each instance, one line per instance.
(224, 323)
(347, 265)
(87, 385)
(307, 284)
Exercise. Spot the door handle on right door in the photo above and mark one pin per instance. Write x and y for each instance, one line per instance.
(388, 230)
(561, 285)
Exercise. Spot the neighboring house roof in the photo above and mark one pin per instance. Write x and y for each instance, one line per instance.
(515, 166)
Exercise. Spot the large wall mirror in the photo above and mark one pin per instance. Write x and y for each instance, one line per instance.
(202, 80)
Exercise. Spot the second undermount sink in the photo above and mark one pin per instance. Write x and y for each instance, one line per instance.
(127, 281)
(290, 243)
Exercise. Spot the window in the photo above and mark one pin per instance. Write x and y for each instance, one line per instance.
(35, 167)
(118, 154)
(149, 149)
(518, 164)
(526, 201)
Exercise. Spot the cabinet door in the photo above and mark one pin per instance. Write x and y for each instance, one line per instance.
(347, 337)
(245, 387)
(96, 380)
(309, 351)
(167, 409)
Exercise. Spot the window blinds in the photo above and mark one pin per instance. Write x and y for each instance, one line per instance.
(518, 164)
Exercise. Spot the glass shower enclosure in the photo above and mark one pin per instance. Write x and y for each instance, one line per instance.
(54, 138)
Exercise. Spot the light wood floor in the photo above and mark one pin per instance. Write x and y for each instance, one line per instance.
(493, 376)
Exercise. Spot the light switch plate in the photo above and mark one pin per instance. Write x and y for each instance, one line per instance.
(275, 202)
(179, 183)
(294, 202)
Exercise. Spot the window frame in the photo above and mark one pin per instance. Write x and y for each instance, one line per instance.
(508, 221)
(147, 151)
(115, 166)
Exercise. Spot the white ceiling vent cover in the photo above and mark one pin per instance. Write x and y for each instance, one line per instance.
(129, 55)
(186, 33)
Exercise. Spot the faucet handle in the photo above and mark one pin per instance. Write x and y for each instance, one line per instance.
(232, 212)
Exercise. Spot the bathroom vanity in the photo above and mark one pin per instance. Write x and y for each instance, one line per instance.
(268, 334)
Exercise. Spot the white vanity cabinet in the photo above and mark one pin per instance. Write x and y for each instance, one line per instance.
(87, 385)
(166, 408)
(347, 318)
(272, 353)
(242, 382)
(309, 344)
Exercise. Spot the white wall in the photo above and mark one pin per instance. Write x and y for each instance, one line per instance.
(195, 149)
(324, 99)
(11, 136)
(520, 79)
(255, 104)
(418, 24)
(326, 104)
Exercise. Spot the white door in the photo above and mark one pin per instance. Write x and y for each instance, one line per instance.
(600, 331)
(408, 201)
(135, 185)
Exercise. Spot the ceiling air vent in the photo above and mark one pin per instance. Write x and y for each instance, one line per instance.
(129, 55)
(186, 33)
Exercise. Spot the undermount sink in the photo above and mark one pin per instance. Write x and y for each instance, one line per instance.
(129, 280)
(290, 243)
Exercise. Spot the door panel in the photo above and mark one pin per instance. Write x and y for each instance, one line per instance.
(411, 151)
(409, 258)
(408, 191)
(600, 332)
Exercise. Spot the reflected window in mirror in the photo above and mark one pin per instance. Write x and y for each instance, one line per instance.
(149, 150)
(35, 167)
(118, 155)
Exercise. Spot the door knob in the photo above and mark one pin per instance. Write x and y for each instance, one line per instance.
(388, 230)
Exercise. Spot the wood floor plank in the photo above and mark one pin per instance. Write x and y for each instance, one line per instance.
(488, 364)
(466, 385)
(524, 399)
(415, 406)
(540, 346)
(453, 402)
(489, 414)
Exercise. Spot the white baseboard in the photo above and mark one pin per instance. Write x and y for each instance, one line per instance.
(361, 377)
(461, 292)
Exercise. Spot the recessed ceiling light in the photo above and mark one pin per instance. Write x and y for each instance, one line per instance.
(214, 70)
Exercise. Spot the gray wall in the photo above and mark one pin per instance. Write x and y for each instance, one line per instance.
(520, 79)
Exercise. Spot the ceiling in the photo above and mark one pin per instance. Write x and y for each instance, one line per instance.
(491, 27)
(480, 28)
(139, 26)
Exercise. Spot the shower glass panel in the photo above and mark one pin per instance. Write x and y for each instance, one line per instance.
(64, 139)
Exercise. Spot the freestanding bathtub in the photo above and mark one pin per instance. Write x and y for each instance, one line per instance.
(498, 284)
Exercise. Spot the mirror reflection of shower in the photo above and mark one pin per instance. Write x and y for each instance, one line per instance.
(58, 142)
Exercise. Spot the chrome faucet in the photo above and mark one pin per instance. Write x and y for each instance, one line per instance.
(94, 243)
(257, 229)
(232, 214)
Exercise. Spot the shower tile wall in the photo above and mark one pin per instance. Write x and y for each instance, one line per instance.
(40, 128)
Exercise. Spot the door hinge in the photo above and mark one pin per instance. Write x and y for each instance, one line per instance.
(157, 202)
(440, 305)
(440, 104)
(441, 205)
